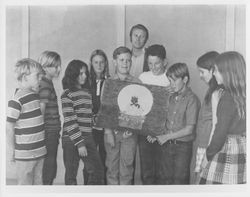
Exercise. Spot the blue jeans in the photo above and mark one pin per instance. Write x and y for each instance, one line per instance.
(92, 162)
(120, 159)
(98, 136)
(150, 160)
(50, 161)
(176, 159)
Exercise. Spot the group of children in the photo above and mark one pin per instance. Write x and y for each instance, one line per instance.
(33, 120)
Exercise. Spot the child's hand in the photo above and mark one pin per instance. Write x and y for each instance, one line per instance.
(82, 151)
(151, 139)
(126, 134)
(110, 139)
(162, 139)
(169, 89)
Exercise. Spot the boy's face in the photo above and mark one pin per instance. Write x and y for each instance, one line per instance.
(123, 63)
(32, 80)
(156, 65)
(138, 38)
(53, 71)
(177, 84)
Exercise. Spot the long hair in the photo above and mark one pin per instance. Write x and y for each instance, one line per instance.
(105, 73)
(71, 75)
(49, 59)
(207, 61)
(232, 67)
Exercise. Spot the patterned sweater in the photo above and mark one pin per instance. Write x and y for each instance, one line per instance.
(77, 113)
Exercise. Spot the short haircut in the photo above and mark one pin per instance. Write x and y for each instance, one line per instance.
(49, 59)
(72, 73)
(156, 50)
(178, 70)
(207, 60)
(121, 50)
(27, 66)
(139, 26)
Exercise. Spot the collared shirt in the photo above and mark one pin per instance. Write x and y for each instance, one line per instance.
(183, 110)
(137, 64)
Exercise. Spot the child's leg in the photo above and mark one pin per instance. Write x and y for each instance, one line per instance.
(112, 160)
(127, 156)
(182, 163)
(38, 172)
(71, 162)
(147, 160)
(50, 161)
(25, 172)
(167, 164)
(92, 163)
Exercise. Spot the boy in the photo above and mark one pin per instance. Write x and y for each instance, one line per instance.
(183, 109)
(51, 63)
(138, 37)
(149, 148)
(25, 124)
(120, 146)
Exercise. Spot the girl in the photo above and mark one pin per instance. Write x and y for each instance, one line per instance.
(99, 71)
(226, 154)
(77, 140)
(205, 65)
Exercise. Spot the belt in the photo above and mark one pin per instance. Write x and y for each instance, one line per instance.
(177, 142)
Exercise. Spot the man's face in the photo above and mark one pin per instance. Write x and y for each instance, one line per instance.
(138, 38)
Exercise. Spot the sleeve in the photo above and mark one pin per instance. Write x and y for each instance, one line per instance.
(204, 125)
(70, 121)
(44, 93)
(14, 110)
(192, 111)
(225, 111)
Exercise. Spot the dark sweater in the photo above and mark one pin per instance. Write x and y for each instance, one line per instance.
(228, 123)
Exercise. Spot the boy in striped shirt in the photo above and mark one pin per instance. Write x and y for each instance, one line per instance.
(25, 124)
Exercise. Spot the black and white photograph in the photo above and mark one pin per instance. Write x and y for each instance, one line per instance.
(122, 96)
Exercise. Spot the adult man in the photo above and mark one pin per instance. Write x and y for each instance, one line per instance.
(138, 37)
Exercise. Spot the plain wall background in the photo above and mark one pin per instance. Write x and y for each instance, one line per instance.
(75, 31)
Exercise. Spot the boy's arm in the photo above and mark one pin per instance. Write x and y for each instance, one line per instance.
(187, 130)
(10, 134)
(192, 112)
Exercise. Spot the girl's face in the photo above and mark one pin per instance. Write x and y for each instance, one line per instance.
(98, 63)
(156, 65)
(82, 76)
(205, 75)
(218, 75)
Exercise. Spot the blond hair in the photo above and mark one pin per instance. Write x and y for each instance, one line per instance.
(49, 59)
(27, 66)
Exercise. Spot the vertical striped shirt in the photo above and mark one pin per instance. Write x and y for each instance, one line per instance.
(77, 113)
(48, 96)
(24, 110)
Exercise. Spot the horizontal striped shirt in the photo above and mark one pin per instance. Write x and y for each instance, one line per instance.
(48, 96)
(77, 113)
(25, 112)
